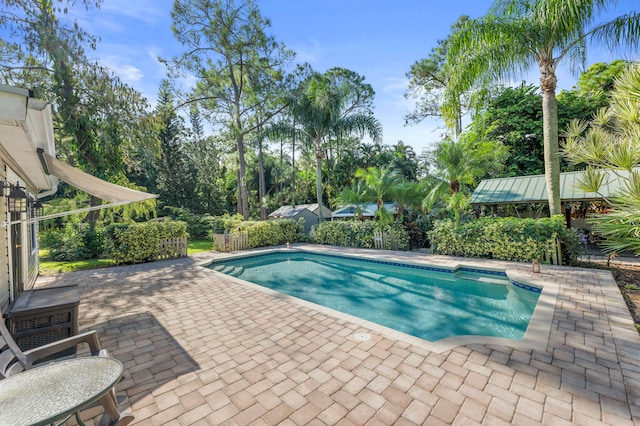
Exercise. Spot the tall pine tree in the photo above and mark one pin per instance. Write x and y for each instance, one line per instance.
(176, 182)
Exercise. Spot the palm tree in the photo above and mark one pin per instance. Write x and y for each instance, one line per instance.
(380, 185)
(460, 163)
(336, 102)
(356, 195)
(407, 194)
(518, 34)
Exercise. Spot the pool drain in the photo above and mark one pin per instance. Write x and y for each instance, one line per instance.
(362, 337)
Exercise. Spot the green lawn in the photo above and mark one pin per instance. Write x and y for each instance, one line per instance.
(49, 266)
(199, 246)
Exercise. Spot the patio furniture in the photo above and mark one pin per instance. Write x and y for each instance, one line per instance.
(14, 361)
(44, 315)
(57, 391)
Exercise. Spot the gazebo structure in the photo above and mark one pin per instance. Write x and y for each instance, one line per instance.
(532, 190)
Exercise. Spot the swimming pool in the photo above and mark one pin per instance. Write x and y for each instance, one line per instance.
(428, 302)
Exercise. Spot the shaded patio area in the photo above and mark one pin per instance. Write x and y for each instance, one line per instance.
(202, 349)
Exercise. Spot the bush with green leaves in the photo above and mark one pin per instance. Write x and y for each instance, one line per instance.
(522, 240)
(270, 232)
(75, 241)
(355, 233)
(139, 242)
(198, 226)
(226, 222)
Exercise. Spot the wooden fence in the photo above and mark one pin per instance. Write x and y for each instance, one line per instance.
(553, 254)
(230, 242)
(384, 241)
(172, 248)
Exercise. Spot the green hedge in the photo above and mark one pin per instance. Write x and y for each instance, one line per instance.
(355, 233)
(139, 242)
(269, 232)
(226, 222)
(522, 240)
(198, 225)
(75, 241)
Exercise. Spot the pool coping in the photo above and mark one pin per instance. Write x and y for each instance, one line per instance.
(536, 336)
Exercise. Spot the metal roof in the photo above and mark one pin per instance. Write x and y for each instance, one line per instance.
(288, 211)
(368, 210)
(313, 208)
(533, 189)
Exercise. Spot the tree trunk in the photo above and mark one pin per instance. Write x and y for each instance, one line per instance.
(319, 156)
(550, 132)
(239, 200)
(92, 217)
(261, 183)
(458, 129)
(243, 195)
(454, 186)
(293, 166)
(329, 165)
(281, 172)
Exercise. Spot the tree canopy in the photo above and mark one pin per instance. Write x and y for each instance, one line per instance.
(239, 68)
(611, 142)
(518, 34)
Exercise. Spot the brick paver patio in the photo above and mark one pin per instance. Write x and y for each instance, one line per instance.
(202, 349)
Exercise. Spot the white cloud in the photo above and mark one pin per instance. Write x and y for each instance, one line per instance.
(127, 72)
(311, 52)
(187, 82)
(148, 11)
(394, 85)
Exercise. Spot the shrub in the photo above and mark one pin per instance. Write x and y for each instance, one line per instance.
(198, 226)
(226, 222)
(354, 233)
(516, 239)
(269, 232)
(75, 241)
(416, 236)
(139, 242)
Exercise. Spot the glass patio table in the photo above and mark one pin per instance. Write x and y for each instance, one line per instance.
(54, 392)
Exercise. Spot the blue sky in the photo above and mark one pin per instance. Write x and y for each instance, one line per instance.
(379, 39)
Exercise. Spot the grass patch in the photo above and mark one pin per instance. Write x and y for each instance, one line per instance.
(48, 266)
(199, 246)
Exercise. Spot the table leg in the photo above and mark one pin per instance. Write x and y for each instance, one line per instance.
(110, 406)
(78, 419)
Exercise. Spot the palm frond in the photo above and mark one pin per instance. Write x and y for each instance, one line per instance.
(591, 180)
(621, 33)
(622, 155)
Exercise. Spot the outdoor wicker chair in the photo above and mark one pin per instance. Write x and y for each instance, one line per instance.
(13, 360)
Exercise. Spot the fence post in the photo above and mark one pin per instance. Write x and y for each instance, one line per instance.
(172, 248)
(378, 242)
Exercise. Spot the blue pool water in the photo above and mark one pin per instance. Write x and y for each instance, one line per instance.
(429, 304)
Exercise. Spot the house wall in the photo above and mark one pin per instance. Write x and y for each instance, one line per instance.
(33, 256)
(5, 282)
(326, 213)
(30, 258)
(310, 219)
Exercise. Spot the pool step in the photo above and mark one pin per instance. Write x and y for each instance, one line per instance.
(485, 278)
(229, 269)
